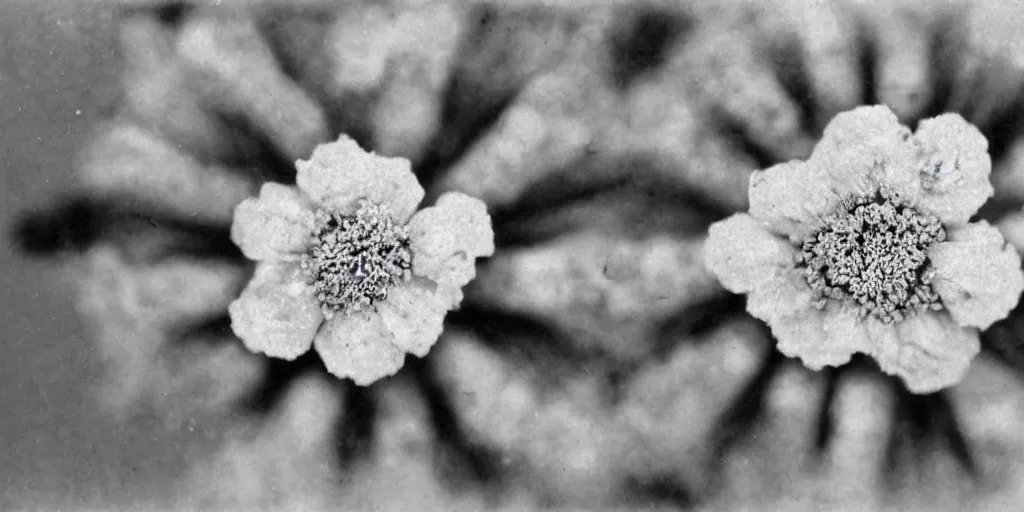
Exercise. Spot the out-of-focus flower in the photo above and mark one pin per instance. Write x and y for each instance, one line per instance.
(866, 247)
(345, 265)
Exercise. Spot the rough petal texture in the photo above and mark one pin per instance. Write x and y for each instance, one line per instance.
(358, 346)
(447, 238)
(784, 293)
(977, 275)
(340, 173)
(277, 313)
(864, 148)
(743, 254)
(846, 335)
(934, 352)
(784, 303)
(802, 335)
(414, 313)
(276, 225)
(791, 198)
(956, 168)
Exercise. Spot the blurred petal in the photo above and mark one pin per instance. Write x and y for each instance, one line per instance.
(661, 121)
(1011, 226)
(447, 238)
(555, 121)
(977, 274)
(828, 38)
(340, 173)
(791, 198)
(934, 352)
(954, 179)
(730, 78)
(154, 92)
(864, 148)
(407, 114)
(858, 442)
(904, 63)
(284, 461)
(358, 346)
(275, 225)
(160, 295)
(277, 313)
(1008, 174)
(694, 385)
(742, 253)
(127, 162)
(233, 69)
(359, 42)
(414, 313)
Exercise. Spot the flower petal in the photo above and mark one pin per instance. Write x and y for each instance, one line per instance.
(358, 346)
(447, 238)
(277, 313)
(802, 335)
(791, 198)
(276, 225)
(784, 302)
(743, 254)
(863, 148)
(340, 173)
(414, 313)
(847, 334)
(934, 352)
(977, 274)
(884, 339)
(779, 295)
(955, 177)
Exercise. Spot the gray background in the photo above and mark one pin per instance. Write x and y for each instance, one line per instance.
(58, 74)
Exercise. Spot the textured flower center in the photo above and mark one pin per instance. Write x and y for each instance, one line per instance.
(872, 253)
(356, 259)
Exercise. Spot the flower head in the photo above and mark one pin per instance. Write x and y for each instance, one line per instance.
(866, 247)
(356, 259)
(347, 265)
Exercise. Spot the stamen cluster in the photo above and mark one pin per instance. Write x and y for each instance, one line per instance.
(356, 259)
(872, 254)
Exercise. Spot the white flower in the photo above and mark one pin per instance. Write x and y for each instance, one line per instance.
(866, 247)
(348, 266)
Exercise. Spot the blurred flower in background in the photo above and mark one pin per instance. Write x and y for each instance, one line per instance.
(595, 362)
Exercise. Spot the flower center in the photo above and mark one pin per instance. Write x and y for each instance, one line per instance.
(872, 254)
(356, 259)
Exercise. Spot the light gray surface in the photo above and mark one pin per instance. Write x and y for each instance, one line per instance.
(58, 72)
